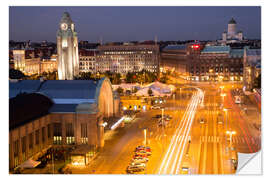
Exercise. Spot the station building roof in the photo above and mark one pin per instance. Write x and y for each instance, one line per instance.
(27, 86)
(60, 91)
(70, 91)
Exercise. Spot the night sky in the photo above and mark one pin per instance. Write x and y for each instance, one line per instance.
(133, 23)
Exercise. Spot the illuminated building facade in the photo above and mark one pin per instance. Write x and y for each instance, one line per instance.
(216, 63)
(231, 35)
(52, 113)
(127, 58)
(252, 67)
(30, 63)
(67, 49)
(198, 62)
(173, 58)
(87, 60)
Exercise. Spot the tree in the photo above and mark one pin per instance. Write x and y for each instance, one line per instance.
(150, 92)
(16, 74)
(120, 90)
(134, 90)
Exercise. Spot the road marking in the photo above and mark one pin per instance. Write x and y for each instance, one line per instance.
(205, 151)
(215, 159)
(252, 140)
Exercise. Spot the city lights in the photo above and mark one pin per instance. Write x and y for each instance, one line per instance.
(82, 103)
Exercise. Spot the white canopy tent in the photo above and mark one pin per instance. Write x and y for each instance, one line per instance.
(144, 92)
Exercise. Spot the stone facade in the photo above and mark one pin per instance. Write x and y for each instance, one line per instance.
(63, 125)
(67, 49)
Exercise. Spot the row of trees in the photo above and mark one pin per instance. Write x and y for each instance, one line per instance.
(121, 91)
(141, 77)
(17, 74)
(115, 78)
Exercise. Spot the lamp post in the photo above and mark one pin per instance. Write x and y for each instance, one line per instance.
(144, 132)
(223, 95)
(226, 111)
(231, 133)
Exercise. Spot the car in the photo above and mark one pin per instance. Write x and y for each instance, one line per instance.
(166, 118)
(155, 107)
(140, 156)
(146, 150)
(234, 162)
(138, 164)
(162, 123)
(132, 169)
(202, 121)
(140, 159)
(140, 148)
(220, 122)
(143, 152)
(157, 116)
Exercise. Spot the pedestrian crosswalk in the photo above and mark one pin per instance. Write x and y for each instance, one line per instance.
(235, 140)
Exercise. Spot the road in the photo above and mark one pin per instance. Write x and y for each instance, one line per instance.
(209, 151)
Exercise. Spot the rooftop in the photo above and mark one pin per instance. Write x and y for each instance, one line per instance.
(216, 49)
(232, 21)
(175, 47)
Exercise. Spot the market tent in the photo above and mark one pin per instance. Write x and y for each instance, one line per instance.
(144, 92)
(29, 164)
(162, 88)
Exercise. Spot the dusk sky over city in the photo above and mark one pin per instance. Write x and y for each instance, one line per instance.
(133, 23)
(158, 90)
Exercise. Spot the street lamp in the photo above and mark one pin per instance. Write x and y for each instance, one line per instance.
(144, 132)
(223, 95)
(231, 133)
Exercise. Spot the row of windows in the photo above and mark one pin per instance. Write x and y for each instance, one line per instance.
(57, 134)
(217, 70)
(235, 61)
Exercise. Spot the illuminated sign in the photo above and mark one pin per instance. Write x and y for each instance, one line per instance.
(195, 46)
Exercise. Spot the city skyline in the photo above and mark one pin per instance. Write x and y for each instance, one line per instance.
(92, 23)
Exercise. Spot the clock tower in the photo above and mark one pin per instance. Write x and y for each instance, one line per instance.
(67, 49)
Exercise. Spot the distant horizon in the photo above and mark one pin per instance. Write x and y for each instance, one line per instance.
(123, 41)
(125, 24)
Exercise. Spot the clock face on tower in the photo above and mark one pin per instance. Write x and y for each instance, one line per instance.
(64, 26)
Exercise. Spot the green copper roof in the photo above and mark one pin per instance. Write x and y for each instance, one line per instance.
(237, 53)
(216, 49)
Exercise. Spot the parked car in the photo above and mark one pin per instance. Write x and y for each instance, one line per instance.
(143, 152)
(140, 159)
(140, 156)
(146, 148)
(155, 107)
(138, 164)
(202, 121)
(132, 169)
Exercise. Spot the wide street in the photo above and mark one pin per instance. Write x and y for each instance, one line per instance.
(196, 141)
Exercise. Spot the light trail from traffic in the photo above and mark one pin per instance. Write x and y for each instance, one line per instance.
(173, 157)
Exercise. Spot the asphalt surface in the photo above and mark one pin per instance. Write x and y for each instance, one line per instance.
(185, 145)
